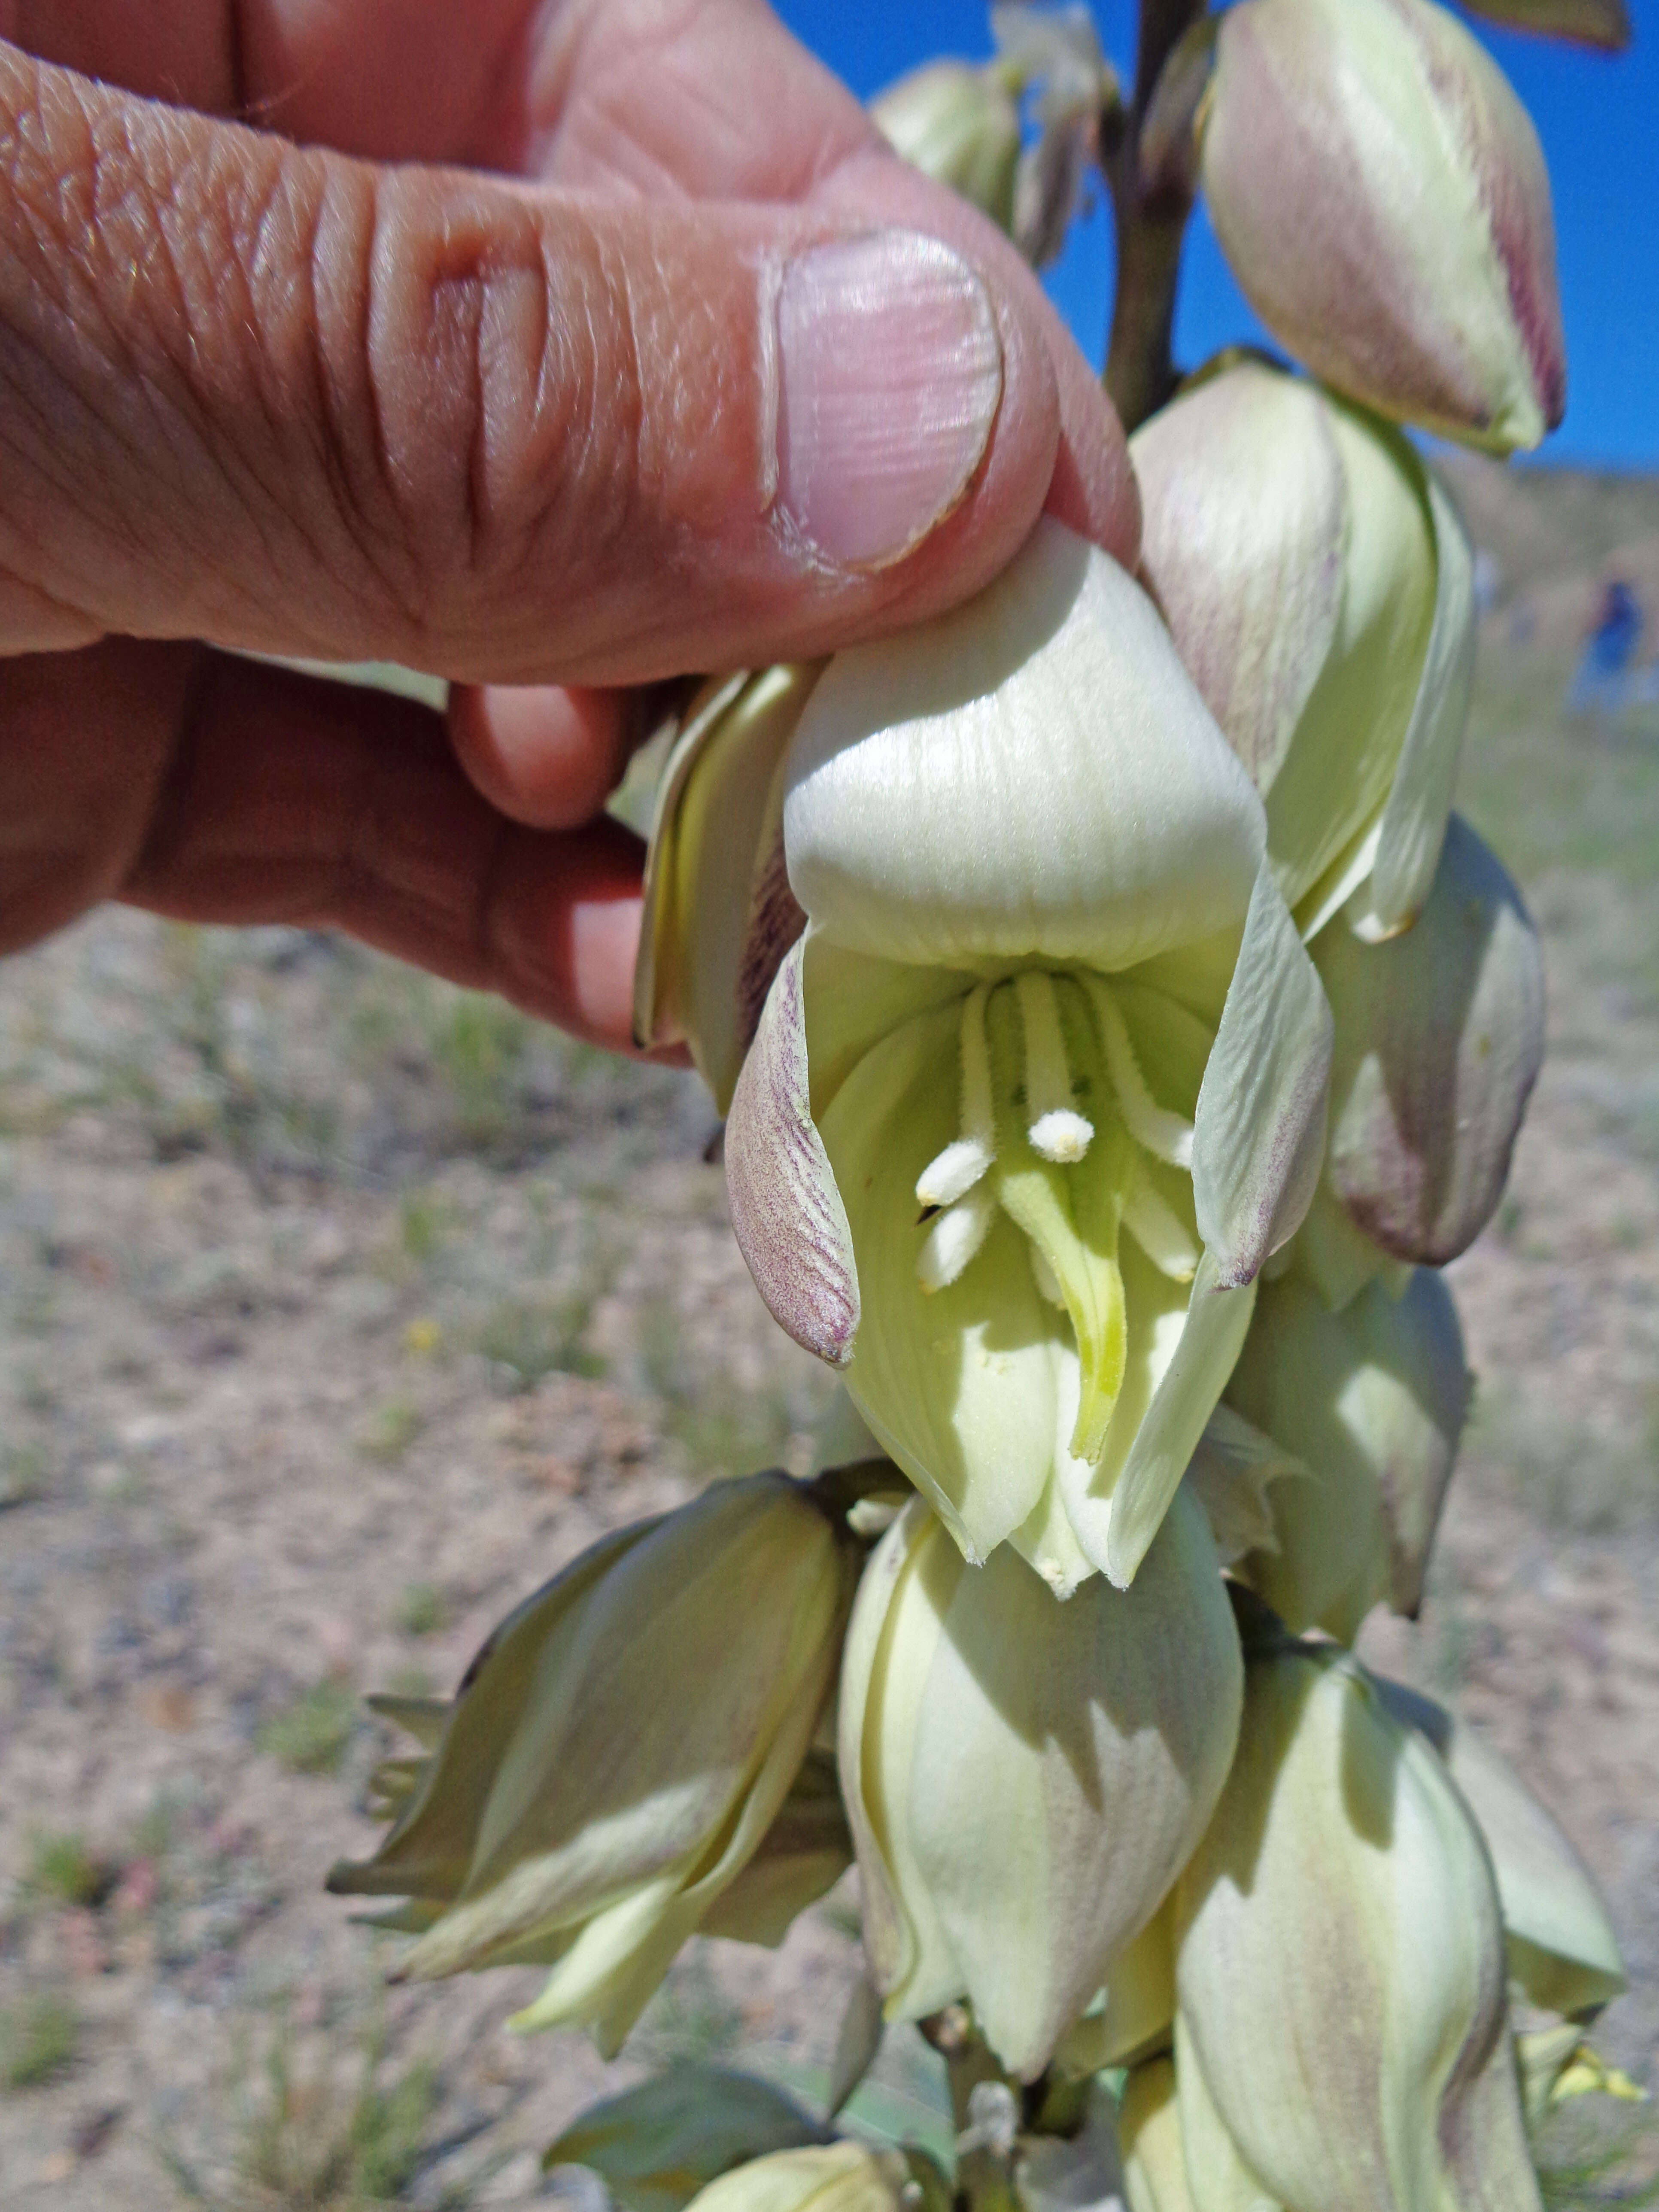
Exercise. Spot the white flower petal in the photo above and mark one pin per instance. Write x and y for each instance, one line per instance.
(1414, 818)
(1259, 1133)
(1031, 774)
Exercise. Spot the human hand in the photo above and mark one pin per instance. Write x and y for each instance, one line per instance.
(700, 376)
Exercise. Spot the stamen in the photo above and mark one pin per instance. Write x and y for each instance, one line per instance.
(1166, 1136)
(1160, 1232)
(1057, 1131)
(951, 1174)
(955, 1238)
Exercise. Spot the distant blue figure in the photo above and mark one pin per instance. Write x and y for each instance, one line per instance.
(1603, 682)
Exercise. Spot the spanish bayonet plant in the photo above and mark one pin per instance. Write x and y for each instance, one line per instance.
(1118, 1033)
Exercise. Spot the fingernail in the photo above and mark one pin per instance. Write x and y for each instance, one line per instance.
(890, 375)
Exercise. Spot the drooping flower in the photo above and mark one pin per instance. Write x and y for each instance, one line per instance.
(1042, 1082)
(1369, 1404)
(1562, 1953)
(619, 1769)
(1341, 2034)
(1024, 1779)
(1439, 1034)
(1382, 196)
(1318, 588)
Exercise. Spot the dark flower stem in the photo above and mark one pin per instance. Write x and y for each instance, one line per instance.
(1140, 373)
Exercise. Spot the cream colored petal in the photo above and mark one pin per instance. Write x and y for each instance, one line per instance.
(430, 1849)
(891, 1641)
(1259, 1132)
(1244, 547)
(1413, 825)
(1186, 1394)
(1033, 772)
(1562, 1949)
(1340, 1972)
(1217, 2178)
(1066, 1758)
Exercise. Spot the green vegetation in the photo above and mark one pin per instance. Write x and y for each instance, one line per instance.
(420, 1610)
(310, 1736)
(526, 1339)
(63, 1869)
(38, 2039)
(390, 1431)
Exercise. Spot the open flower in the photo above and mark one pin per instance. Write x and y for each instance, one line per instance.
(1042, 1082)
(1024, 1780)
(619, 1769)
(1318, 588)
(1382, 196)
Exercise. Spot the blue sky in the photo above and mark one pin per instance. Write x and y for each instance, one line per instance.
(1599, 121)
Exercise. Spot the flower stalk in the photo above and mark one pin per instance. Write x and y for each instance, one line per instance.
(1151, 213)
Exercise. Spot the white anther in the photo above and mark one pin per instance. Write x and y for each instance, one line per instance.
(1160, 1230)
(954, 1239)
(1058, 1132)
(1165, 1135)
(951, 1174)
(1061, 1136)
(1044, 1277)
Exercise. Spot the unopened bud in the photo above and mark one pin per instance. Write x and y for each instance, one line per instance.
(1439, 1037)
(1317, 586)
(1370, 1401)
(617, 1757)
(1563, 1953)
(1342, 2033)
(1382, 196)
(959, 125)
(1024, 1777)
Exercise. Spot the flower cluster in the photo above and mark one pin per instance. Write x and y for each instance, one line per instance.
(1118, 1033)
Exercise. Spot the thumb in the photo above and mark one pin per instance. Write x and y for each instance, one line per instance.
(284, 400)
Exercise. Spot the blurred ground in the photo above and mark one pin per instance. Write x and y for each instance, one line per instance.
(339, 1309)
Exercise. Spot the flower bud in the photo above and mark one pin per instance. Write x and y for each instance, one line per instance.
(1371, 1402)
(1318, 588)
(1563, 1953)
(617, 1757)
(1024, 1777)
(1439, 1036)
(656, 2144)
(840, 2177)
(1382, 196)
(959, 126)
(1341, 2037)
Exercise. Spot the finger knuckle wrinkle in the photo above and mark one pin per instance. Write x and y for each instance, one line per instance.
(506, 379)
